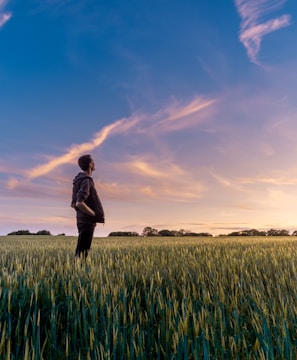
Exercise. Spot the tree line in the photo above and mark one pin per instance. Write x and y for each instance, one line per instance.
(27, 232)
(149, 231)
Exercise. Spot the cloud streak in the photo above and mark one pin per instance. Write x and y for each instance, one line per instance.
(184, 112)
(252, 29)
(155, 176)
(179, 114)
(4, 15)
(76, 150)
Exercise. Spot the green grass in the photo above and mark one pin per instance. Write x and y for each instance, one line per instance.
(148, 298)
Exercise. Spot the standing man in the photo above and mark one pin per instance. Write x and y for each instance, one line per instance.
(87, 204)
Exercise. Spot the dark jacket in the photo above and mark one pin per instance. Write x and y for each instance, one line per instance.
(84, 191)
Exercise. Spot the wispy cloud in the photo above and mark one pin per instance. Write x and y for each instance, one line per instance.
(176, 113)
(179, 114)
(278, 181)
(158, 176)
(253, 29)
(226, 182)
(140, 190)
(278, 178)
(76, 150)
(24, 189)
(73, 152)
(160, 169)
(146, 169)
(4, 15)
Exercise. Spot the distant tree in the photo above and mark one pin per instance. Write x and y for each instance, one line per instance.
(198, 234)
(20, 232)
(294, 233)
(43, 232)
(181, 233)
(123, 233)
(235, 233)
(277, 232)
(27, 232)
(251, 232)
(134, 233)
(204, 234)
(166, 233)
(254, 232)
(191, 233)
(63, 234)
(149, 231)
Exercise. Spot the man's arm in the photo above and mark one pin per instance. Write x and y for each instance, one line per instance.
(85, 208)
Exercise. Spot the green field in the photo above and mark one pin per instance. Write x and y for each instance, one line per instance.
(149, 298)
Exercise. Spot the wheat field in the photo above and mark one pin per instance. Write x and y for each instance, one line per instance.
(149, 298)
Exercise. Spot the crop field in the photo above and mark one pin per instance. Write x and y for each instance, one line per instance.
(149, 298)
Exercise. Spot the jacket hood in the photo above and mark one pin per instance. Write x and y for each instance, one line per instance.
(79, 177)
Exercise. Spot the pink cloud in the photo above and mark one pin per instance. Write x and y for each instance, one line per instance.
(176, 113)
(157, 177)
(76, 150)
(174, 117)
(4, 16)
(177, 116)
(252, 30)
(3, 4)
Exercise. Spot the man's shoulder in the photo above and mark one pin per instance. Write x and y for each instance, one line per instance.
(88, 182)
(80, 177)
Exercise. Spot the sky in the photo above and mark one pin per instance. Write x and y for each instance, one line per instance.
(189, 109)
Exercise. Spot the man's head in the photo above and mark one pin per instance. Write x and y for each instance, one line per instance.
(86, 163)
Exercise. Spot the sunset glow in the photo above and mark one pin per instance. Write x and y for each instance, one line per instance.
(189, 115)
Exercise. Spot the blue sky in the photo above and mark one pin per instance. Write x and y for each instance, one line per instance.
(188, 108)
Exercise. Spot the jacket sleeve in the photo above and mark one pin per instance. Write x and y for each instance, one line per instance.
(73, 200)
(84, 191)
(75, 188)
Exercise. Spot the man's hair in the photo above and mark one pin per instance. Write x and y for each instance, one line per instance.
(84, 162)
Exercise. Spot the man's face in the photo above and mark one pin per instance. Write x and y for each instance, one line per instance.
(92, 165)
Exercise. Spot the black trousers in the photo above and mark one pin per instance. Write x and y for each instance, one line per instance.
(84, 240)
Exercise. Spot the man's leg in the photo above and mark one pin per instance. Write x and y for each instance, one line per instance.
(85, 237)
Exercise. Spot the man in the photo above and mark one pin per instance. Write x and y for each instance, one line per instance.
(87, 204)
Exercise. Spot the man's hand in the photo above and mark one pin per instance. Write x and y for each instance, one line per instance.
(85, 208)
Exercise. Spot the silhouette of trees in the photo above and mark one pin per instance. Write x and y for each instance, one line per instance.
(123, 233)
(43, 232)
(277, 232)
(166, 233)
(252, 232)
(20, 232)
(27, 232)
(198, 234)
(149, 231)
